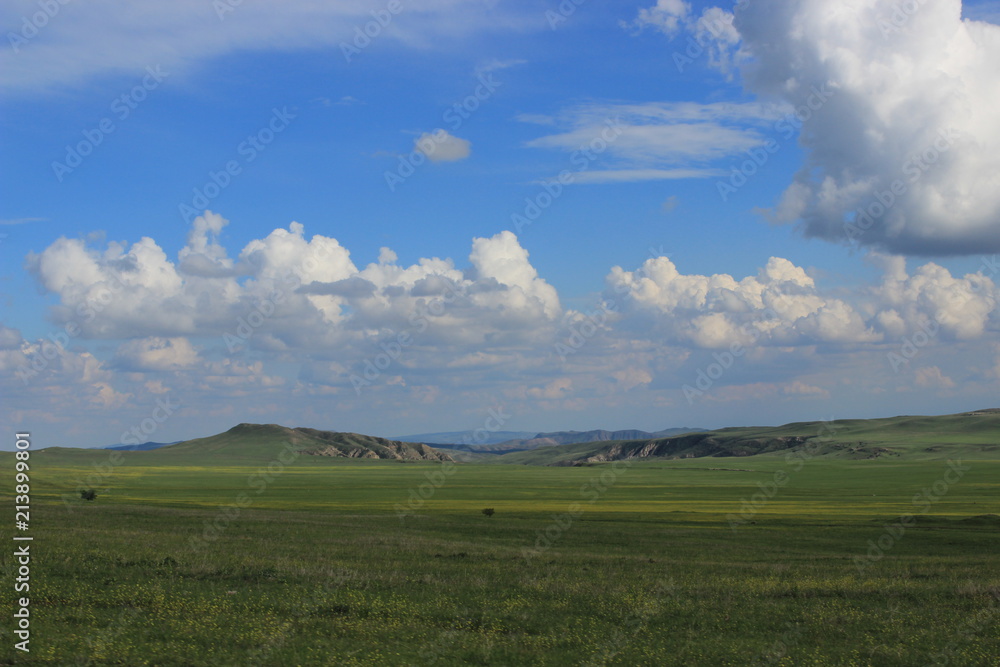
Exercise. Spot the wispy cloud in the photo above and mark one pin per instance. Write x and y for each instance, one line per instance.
(662, 140)
(21, 221)
(634, 175)
(100, 37)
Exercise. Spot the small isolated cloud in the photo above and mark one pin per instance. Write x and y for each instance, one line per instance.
(669, 204)
(495, 65)
(630, 378)
(554, 390)
(440, 146)
(798, 388)
(155, 354)
(666, 16)
(931, 377)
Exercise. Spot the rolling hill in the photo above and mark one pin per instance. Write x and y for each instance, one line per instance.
(246, 438)
(971, 434)
(261, 443)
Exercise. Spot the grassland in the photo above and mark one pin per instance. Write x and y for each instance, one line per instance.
(762, 560)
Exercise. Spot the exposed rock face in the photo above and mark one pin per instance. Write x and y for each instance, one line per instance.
(314, 442)
(352, 445)
(693, 446)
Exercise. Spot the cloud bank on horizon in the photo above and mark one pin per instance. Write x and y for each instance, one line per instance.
(357, 332)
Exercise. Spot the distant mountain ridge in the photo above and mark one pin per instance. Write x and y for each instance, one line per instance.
(490, 442)
(480, 437)
(143, 447)
(557, 438)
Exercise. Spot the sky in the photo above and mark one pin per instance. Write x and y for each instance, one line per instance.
(392, 217)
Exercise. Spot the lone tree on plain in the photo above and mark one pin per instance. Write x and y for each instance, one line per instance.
(88, 494)
(488, 511)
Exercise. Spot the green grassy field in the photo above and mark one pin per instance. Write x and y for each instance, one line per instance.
(766, 560)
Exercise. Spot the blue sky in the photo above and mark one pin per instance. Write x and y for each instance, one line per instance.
(752, 280)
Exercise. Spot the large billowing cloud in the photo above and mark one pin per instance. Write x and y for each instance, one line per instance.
(782, 305)
(293, 293)
(898, 102)
(287, 292)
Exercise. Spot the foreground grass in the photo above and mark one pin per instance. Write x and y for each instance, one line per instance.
(319, 569)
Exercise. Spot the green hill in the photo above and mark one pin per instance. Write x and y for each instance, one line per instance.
(257, 443)
(969, 434)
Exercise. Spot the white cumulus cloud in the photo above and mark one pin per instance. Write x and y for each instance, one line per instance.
(440, 146)
(898, 110)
